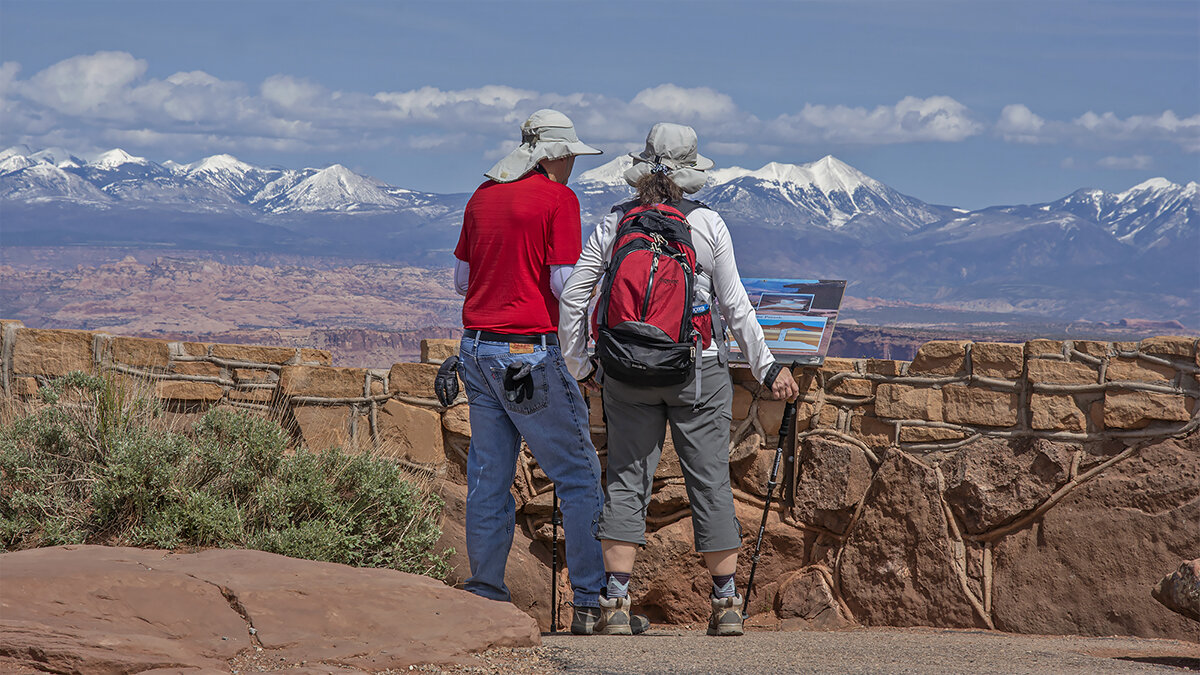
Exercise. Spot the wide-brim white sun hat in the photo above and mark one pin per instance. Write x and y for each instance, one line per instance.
(547, 134)
(672, 148)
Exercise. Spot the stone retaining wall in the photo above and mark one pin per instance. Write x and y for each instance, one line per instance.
(1043, 487)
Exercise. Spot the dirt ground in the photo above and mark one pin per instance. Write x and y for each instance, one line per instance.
(859, 651)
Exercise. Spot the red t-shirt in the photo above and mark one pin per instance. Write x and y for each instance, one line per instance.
(511, 234)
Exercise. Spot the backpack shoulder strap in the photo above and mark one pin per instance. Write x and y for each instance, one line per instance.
(686, 206)
(625, 207)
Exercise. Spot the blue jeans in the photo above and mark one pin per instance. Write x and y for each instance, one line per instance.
(554, 423)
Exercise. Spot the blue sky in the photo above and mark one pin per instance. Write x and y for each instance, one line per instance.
(970, 103)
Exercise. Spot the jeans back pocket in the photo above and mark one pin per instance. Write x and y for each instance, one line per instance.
(529, 404)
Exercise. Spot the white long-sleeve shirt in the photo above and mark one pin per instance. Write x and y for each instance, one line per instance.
(714, 253)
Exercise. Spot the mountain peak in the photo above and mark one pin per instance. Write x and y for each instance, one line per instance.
(222, 162)
(115, 158)
(1158, 183)
(609, 173)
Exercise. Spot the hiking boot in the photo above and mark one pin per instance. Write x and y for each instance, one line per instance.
(726, 616)
(612, 617)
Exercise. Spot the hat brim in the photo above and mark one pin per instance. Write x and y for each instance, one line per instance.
(702, 163)
(522, 160)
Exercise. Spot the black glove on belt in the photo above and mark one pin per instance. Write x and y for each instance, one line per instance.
(518, 385)
(445, 385)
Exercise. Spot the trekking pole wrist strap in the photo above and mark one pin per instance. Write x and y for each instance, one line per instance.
(772, 373)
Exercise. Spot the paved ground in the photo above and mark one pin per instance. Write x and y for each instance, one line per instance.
(861, 651)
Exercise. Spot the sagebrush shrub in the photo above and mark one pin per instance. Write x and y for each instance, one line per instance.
(94, 464)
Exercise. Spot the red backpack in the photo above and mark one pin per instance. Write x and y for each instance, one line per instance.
(647, 328)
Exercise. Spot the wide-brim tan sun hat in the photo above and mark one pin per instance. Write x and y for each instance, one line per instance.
(672, 149)
(547, 134)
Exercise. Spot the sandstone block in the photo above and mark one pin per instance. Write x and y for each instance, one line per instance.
(991, 481)
(1136, 409)
(1047, 371)
(1058, 412)
(940, 357)
(595, 403)
(413, 379)
(1092, 348)
(322, 381)
(182, 390)
(1135, 370)
(902, 401)
(5, 323)
(885, 367)
(838, 365)
(196, 348)
(203, 368)
(871, 430)
(806, 601)
(438, 350)
(457, 419)
(1180, 590)
(667, 500)
(897, 566)
(323, 427)
(1096, 415)
(997, 359)
(853, 387)
(51, 352)
(1088, 566)
(828, 417)
(1125, 346)
(742, 374)
(376, 387)
(742, 399)
(1169, 345)
(25, 386)
(668, 461)
(254, 375)
(770, 415)
(753, 472)
(975, 405)
(412, 432)
(1043, 347)
(139, 352)
(914, 434)
(252, 395)
(832, 477)
(315, 357)
(254, 353)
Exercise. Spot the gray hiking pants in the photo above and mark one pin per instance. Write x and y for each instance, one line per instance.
(637, 419)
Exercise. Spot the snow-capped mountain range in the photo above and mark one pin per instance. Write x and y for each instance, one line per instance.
(824, 219)
(214, 183)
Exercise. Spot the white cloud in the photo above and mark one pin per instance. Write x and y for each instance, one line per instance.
(685, 105)
(1018, 124)
(86, 84)
(1138, 162)
(912, 119)
(92, 101)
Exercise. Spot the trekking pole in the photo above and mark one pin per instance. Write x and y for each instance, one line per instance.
(789, 416)
(554, 520)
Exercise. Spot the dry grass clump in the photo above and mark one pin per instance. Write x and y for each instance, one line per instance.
(97, 463)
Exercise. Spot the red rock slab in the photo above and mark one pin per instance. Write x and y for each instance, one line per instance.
(203, 606)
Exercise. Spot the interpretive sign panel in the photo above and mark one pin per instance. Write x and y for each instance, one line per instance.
(797, 316)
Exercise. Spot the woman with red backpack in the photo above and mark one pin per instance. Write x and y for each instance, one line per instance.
(669, 287)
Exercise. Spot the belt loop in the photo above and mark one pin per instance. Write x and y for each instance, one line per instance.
(543, 341)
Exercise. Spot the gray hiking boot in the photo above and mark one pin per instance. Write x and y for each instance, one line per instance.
(726, 616)
(612, 617)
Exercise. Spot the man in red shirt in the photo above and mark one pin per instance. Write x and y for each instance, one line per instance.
(520, 239)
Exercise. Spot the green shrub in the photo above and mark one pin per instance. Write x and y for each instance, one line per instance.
(95, 464)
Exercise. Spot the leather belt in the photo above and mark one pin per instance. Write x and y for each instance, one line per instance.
(539, 339)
